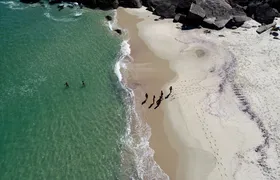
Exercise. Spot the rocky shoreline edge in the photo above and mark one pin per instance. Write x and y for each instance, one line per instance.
(213, 14)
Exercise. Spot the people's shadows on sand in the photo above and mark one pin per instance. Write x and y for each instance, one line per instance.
(146, 98)
(170, 91)
(159, 100)
(154, 98)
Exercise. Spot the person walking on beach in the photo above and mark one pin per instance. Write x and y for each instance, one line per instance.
(66, 84)
(159, 100)
(158, 103)
(153, 102)
(83, 83)
(146, 98)
(170, 90)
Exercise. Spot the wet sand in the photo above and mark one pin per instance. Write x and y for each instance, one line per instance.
(148, 74)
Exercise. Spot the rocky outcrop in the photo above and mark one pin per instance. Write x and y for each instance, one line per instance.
(263, 13)
(211, 13)
(130, 3)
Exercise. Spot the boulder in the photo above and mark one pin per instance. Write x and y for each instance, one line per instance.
(239, 2)
(183, 6)
(216, 8)
(163, 8)
(195, 15)
(119, 31)
(109, 18)
(236, 21)
(275, 4)
(166, 10)
(221, 23)
(217, 13)
(130, 3)
(261, 12)
(180, 18)
(105, 4)
(196, 12)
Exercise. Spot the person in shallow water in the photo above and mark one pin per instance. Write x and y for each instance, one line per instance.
(146, 98)
(83, 83)
(66, 84)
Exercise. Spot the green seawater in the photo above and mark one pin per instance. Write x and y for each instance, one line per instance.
(48, 131)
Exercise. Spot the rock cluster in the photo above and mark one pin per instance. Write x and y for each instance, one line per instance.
(210, 13)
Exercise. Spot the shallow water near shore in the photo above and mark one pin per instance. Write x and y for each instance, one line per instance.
(48, 131)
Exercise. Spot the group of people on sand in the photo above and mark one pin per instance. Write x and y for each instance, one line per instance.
(67, 85)
(160, 99)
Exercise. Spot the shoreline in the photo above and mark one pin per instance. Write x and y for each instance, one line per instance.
(157, 73)
(215, 119)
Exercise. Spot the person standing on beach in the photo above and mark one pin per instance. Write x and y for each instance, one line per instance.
(170, 90)
(153, 102)
(146, 98)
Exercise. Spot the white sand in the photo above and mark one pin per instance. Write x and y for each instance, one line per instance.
(214, 134)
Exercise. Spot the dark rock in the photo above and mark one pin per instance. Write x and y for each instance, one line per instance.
(196, 13)
(275, 4)
(104, 4)
(150, 8)
(130, 3)
(221, 35)
(180, 18)
(184, 6)
(217, 13)
(109, 18)
(216, 8)
(165, 9)
(239, 2)
(262, 13)
(236, 21)
(119, 31)
(209, 13)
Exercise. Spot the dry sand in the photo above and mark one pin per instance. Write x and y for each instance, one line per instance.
(222, 117)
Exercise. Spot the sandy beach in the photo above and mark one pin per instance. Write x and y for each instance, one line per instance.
(147, 73)
(220, 122)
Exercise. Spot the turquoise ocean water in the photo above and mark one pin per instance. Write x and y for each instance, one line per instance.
(48, 131)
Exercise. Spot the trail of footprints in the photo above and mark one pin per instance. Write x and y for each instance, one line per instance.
(213, 144)
(187, 88)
